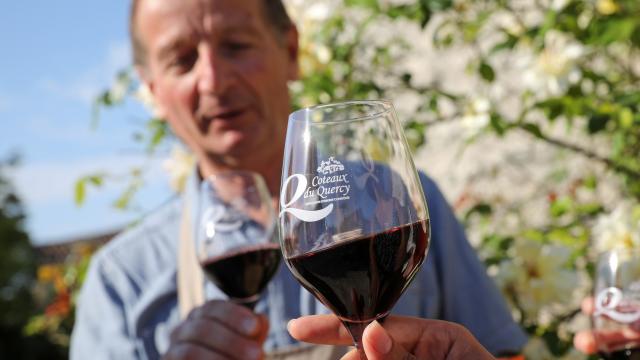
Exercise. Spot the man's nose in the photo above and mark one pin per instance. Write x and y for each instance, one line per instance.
(214, 73)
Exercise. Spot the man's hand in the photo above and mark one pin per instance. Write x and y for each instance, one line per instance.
(400, 338)
(219, 330)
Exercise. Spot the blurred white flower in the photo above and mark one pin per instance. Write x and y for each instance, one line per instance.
(619, 229)
(558, 5)
(179, 167)
(509, 23)
(536, 272)
(303, 11)
(556, 67)
(476, 116)
(144, 95)
(119, 89)
(322, 53)
(319, 11)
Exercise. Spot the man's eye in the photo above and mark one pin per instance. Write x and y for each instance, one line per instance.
(184, 61)
(237, 45)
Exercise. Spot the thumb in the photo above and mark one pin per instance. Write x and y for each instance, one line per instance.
(379, 345)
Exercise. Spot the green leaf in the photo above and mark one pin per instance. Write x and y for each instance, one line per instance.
(406, 79)
(429, 7)
(371, 4)
(562, 236)
(614, 30)
(498, 124)
(597, 123)
(590, 182)
(508, 44)
(122, 202)
(553, 108)
(625, 118)
(589, 209)
(482, 209)
(96, 180)
(433, 104)
(486, 71)
(533, 129)
(158, 131)
(561, 206)
(80, 191)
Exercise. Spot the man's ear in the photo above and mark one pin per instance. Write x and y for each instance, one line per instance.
(293, 72)
(147, 80)
(144, 76)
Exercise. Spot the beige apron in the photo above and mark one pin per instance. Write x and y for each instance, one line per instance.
(191, 295)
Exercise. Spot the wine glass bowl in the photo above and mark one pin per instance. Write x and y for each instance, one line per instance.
(236, 245)
(353, 218)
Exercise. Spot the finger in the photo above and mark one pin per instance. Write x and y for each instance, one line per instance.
(264, 328)
(378, 344)
(190, 351)
(614, 338)
(432, 339)
(215, 337)
(588, 305)
(351, 355)
(585, 342)
(235, 317)
(320, 329)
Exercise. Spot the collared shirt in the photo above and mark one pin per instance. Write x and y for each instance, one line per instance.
(128, 304)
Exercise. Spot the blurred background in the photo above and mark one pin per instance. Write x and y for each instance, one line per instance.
(524, 111)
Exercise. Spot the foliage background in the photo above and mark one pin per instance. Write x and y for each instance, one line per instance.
(524, 111)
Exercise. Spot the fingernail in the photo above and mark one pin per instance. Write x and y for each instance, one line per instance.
(249, 325)
(383, 342)
(289, 325)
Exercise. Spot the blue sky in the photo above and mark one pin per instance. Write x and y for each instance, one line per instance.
(55, 57)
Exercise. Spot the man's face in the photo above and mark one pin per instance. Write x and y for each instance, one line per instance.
(219, 74)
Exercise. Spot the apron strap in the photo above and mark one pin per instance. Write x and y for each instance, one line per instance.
(190, 275)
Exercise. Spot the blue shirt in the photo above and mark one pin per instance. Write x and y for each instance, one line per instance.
(128, 304)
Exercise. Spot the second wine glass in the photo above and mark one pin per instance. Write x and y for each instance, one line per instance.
(236, 245)
(354, 221)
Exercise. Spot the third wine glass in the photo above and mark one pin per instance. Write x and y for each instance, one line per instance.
(616, 320)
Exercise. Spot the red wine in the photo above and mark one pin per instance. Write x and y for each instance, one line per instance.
(624, 354)
(245, 273)
(361, 279)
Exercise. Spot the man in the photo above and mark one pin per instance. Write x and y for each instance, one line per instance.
(218, 70)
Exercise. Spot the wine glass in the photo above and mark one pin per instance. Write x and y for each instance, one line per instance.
(236, 246)
(353, 218)
(616, 320)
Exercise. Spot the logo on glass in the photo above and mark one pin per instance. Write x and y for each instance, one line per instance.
(330, 166)
(613, 303)
(329, 185)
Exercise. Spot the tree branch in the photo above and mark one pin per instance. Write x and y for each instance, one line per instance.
(612, 164)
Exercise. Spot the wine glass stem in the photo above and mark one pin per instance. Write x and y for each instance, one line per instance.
(356, 329)
(248, 303)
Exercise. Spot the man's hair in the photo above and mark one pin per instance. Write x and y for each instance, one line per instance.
(273, 10)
